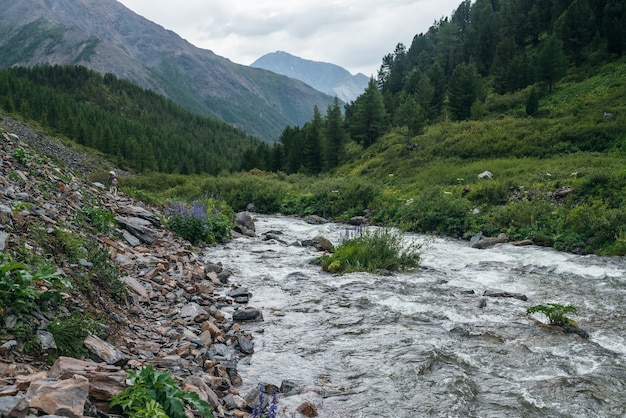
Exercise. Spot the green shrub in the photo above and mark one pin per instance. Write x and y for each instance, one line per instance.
(97, 219)
(104, 271)
(200, 221)
(69, 333)
(372, 251)
(435, 211)
(555, 313)
(18, 293)
(526, 219)
(154, 393)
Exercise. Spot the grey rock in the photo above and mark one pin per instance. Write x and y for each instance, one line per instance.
(13, 406)
(143, 213)
(3, 240)
(192, 310)
(503, 294)
(138, 227)
(46, 339)
(105, 351)
(246, 346)
(247, 315)
(131, 239)
(245, 219)
(315, 220)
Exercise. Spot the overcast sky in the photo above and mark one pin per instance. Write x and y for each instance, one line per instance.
(354, 34)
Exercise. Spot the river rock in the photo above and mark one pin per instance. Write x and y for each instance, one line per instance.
(523, 243)
(319, 243)
(575, 330)
(308, 409)
(246, 346)
(358, 220)
(244, 224)
(315, 220)
(247, 315)
(503, 294)
(487, 242)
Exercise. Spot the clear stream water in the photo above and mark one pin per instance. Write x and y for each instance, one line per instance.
(416, 344)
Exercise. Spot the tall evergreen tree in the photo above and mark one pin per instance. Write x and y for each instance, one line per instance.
(614, 25)
(576, 28)
(552, 61)
(292, 141)
(369, 121)
(334, 136)
(412, 115)
(463, 90)
(312, 147)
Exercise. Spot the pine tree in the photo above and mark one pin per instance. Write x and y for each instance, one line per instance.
(463, 90)
(551, 61)
(312, 147)
(369, 121)
(334, 136)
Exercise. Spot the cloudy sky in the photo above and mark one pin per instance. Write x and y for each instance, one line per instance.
(354, 34)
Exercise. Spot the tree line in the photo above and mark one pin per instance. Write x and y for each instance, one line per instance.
(488, 47)
(136, 128)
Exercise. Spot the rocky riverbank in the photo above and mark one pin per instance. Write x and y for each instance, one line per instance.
(179, 312)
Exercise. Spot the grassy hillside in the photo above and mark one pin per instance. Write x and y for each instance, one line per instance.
(559, 177)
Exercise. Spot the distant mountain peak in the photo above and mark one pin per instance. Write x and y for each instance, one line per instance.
(107, 37)
(325, 77)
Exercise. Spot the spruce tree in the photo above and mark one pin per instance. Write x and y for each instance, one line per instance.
(369, 121)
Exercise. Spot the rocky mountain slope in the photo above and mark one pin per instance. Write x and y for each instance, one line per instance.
(325, 77)
(179, 312)
(107, 37)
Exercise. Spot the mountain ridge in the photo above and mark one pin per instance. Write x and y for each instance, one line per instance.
(105, 36)
(328, 78)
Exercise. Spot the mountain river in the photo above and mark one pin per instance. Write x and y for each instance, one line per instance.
(418, 344)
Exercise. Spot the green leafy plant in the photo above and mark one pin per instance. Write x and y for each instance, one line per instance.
(22, 156)
(555, 313)
(104, 271)
(370, 251)
(100, 220)
(17, 285)
(69, 333)
(148, 386)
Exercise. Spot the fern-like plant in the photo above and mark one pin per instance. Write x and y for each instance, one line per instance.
(147, 386)
(555, 313)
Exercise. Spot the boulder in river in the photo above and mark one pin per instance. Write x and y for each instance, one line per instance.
(503, 294)
(244, 224)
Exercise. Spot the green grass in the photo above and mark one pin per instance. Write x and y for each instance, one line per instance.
(373, 251)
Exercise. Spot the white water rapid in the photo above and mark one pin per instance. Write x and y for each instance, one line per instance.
(417, 344)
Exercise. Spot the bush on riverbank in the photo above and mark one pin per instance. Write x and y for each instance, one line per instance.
(201, 221)
(372, 251)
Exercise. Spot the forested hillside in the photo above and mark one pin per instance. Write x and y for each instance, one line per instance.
(480, 63)
(136, 128)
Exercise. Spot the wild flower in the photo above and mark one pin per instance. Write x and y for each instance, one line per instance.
(205, 220)
(266, 406)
